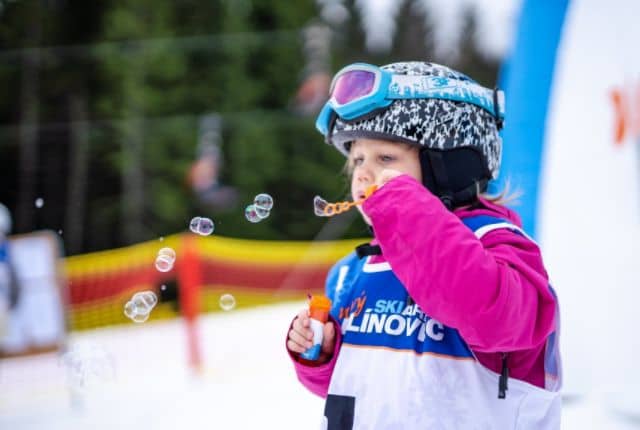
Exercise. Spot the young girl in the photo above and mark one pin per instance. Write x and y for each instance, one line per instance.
(446, 320)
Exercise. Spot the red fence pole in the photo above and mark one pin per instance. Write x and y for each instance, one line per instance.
(189, 289)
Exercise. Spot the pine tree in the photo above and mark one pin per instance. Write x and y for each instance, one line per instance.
(414, 39)
(471, 61)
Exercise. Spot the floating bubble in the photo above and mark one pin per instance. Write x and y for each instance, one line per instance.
(133, 313)
(251, 214)
(206, 226)
(145, 300)
(130, 309)
(193, 224)
(167, 252)
(263, 201)
(39, 202)
(140, 318)
(227, 302)
(319, 206)
(164, 263)
(202, 226)
(262, 213)
(139, 307)
(165, 259)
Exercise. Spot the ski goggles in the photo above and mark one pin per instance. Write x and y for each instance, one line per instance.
(361, 88)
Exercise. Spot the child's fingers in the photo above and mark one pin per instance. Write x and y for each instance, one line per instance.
(300, 341)
(328, 338)
(300, 336)
(301, 324)
(302, 318)
(295, 347)
(329, 331)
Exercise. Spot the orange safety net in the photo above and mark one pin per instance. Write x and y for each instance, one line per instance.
(254, 272)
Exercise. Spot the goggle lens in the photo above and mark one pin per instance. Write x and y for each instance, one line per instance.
(353, 85)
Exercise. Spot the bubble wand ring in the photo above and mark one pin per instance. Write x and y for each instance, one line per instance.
(323, 208)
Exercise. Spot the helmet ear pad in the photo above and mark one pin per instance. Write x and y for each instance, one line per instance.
(456, 176)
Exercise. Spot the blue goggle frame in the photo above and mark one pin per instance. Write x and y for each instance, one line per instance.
(388, 87)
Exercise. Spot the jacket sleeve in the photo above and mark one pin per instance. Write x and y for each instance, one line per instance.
(494, 291)
(317, 378)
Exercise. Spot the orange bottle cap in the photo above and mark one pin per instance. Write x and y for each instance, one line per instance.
(320, 303)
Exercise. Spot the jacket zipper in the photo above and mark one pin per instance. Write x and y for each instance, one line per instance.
(504, 377)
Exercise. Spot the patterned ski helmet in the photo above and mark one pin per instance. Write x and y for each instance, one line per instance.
(431, 123)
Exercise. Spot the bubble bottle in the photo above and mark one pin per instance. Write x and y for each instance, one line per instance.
(319, 307)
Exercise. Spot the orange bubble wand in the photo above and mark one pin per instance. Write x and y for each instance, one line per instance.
(323, 208)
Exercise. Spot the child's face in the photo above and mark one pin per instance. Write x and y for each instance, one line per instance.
(368, 158)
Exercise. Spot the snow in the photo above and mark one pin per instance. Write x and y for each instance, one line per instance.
(137, 377)
(246, 382)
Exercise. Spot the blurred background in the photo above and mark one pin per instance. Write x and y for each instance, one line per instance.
(121, 121)
(110, 109)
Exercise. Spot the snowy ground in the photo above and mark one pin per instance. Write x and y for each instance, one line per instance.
(136, 377)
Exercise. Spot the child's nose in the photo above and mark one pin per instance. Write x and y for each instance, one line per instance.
(365, 174)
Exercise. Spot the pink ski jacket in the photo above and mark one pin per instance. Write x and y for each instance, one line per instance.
(494, 290)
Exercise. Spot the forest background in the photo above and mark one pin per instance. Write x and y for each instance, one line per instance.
(108, 108)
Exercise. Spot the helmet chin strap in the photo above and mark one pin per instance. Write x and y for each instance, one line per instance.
(437, 179)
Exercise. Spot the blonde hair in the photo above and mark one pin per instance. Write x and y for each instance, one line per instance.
(505, 196)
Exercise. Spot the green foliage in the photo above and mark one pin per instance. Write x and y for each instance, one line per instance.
(149, 70)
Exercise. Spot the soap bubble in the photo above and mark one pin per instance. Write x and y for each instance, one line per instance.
(251, 214)
(201, 225)
(227, 302)
(39, 202)
(260, 209)
(139, 307)
(130, 309)
(140, 318)
(261, 212)
(133, 313)
(165, 259)
(193, 224)
(319, 207)
(263, 201)
(168, 252)
(164, 263)
(145, 300)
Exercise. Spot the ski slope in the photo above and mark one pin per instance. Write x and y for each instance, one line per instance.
(136, 377)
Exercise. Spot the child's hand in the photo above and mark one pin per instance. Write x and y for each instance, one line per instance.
(328, 341)
(301, 337)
